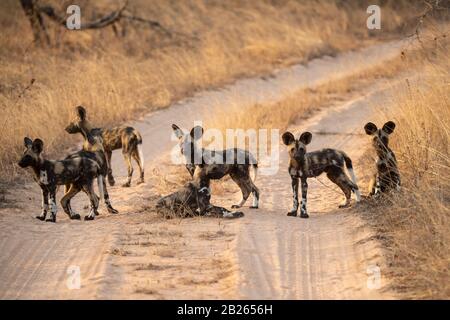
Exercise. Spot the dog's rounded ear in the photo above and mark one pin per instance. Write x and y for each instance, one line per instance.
(389, 127)
(37, 146)
(197, 132)
(178, 132)
(27, 142)
(288, 138)
(370, 128)
(81, 112)
(305, 138)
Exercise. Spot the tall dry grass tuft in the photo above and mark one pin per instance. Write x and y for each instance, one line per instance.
(120, 77)
(415, 223)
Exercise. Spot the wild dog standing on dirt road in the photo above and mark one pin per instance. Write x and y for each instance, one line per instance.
(387, 176)
(194, 199)
(79, 172)
(93, 149)
(235, 162)
(303, 165)
(126, 138)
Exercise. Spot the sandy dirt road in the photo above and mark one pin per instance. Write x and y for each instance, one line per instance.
(264, 255)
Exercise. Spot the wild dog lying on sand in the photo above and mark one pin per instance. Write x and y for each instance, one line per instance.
(93, 149)
(217, 164)
(303, 165)
(194, 199)
(387, 176)
(79, 172)
(127, 138)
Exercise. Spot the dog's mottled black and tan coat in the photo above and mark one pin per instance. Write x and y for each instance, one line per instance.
(93, 149)
(126, 138)
(79, 172)
(217, 164)
(194, 199)
(387, 175)
(304, 165)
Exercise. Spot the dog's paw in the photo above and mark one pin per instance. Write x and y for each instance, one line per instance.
(292, 214)
(75, 216)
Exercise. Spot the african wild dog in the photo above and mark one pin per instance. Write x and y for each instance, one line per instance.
(194, 199)
(127, 138)
(303, 165)
(387, 176)
(93, 149)
(217, 164)
(79, 172)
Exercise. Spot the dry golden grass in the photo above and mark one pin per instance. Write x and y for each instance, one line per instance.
(117, 78)
(415, 223)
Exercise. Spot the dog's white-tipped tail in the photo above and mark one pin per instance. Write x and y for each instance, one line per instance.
(100, 187)
(141, 154)
(255, 172)
(353, 177)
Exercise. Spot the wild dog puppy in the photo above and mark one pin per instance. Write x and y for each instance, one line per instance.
(79, 172)
(194, 199)
(217, 164)
(304, 165)
(93, 149)
(387, 175)
(126, 138)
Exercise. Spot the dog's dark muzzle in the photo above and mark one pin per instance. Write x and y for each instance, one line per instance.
(25, 161)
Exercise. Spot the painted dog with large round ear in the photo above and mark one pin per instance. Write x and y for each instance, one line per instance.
(234, 161)
(79, 172)
(387, 175)
(304, 165)
(122, 137)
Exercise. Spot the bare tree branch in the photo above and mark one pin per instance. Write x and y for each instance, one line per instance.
(97, 24)
(151, 23)
(35, 12)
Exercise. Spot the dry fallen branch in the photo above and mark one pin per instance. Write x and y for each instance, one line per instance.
(35, 14)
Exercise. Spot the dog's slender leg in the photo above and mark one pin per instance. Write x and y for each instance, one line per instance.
(44, 205)
(93, 199)
(255, 194)
(65, 202)
(303, 211)
(341, 180)
(137, 157)
(127, 157)
(111, 180)
(106, 198)
(294, 182)
(53, 206)
(245, 189)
